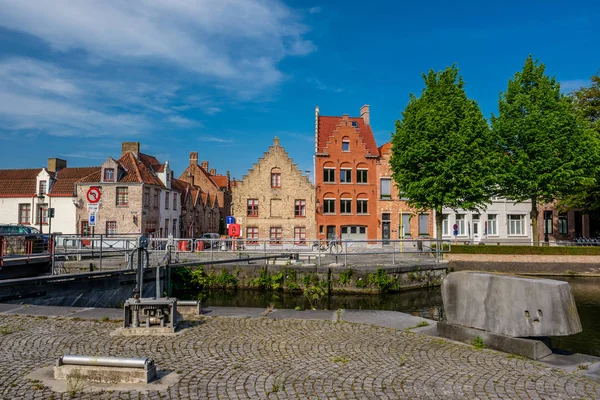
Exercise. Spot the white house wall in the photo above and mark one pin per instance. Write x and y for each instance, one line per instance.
(500, 207)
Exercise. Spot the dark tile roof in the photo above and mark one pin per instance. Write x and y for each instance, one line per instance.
(64, 185)
(329, 124)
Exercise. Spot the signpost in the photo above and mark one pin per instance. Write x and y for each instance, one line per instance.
(455, 232)
(92, 221)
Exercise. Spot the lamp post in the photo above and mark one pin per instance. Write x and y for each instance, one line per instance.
(40, 197)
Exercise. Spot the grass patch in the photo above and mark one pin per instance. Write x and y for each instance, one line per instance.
(422, 324)
(340, 359)
(478, 343)
(5, 330)
(582, 367)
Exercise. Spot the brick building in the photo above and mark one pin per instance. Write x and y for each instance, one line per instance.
(215, 189)
(137, 196)
(395, 219)
(346, 176)
(562, 225)
(275, 201)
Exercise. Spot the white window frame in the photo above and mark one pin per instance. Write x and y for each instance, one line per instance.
(445, 224)
(344, 172)
(358, 172)
(516, 226)
(329, 174)
(366, 206)
(492, 224)
(348, 203)
(332, 202)
(388, 196)
(460, 221)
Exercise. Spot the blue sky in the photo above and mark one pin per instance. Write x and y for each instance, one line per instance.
(223, 77)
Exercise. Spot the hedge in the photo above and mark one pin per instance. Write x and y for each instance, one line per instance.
(540, 250)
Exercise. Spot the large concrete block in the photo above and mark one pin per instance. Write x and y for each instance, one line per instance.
(510, 305)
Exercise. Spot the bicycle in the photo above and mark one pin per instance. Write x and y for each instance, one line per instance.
(333, 246)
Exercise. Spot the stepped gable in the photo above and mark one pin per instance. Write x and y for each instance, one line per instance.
(328, 125)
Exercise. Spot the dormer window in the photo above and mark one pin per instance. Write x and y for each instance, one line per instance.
(109, 174)
(346, 145)
(43, 187)
(354, 124)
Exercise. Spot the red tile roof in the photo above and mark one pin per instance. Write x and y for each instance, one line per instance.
(135, 170)
(385, 148)
(18, 182)
(329, 124)
(64, 185)
(220, 180)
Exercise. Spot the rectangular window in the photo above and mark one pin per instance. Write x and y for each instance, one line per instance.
(275, 235)
(300, 235)
(252, 235)
(460, 221)
(166, 228)
(275, 180)
(345, 175)
(24, 214)
(563, 224)
(43, 187)
(252, 205)
(445, 226)
(353, 229)
(166, 200)
(174, 227)
(548, 228)
(423, 224)
(111, 227)
(345, 206)
(300, 208)
(109, 175)
(516, 224)
(362, 206)
(405, 229)
(174, 201)
(122, 196)
(386, 188)
(346, 145)
(362, 229)
(85, 228)
(362, 176)
(329, 206)
(492, 225)
(156, 198)
(146, 197)
(329, 175)
(344, 229)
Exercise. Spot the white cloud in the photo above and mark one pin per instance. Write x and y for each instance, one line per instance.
(321, 86)
(215, 139)
(182, 121)
(212, 110)
(314, 10)
(237, 43)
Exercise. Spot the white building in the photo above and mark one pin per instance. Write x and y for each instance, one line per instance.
(28, 195)
(504, 222)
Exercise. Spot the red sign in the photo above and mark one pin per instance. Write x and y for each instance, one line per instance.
(233, 230)
(93, 195)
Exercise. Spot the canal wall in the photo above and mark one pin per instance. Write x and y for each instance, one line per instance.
(525, 263)
(328, 279)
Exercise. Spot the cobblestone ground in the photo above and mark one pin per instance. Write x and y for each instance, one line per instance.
(250, 358)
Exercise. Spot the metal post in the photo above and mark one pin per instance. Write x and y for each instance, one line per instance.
(265, 252)
(158, 291)
(101, 243)
(393, 252)
(346, 254)
(52, 255)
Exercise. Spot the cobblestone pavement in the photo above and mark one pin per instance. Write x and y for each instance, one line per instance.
(250, 358)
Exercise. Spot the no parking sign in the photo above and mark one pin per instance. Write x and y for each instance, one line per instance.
(455, 229)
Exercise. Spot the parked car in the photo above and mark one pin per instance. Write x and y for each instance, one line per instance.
(31, 233)
(211, 240)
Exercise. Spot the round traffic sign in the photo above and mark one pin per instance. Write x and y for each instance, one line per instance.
(93, 195)
(455, 227)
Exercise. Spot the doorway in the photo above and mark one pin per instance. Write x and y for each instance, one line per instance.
(385, 228)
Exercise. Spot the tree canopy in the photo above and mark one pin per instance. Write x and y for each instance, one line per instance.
(548, 150)
(587, 100)
(442, 151)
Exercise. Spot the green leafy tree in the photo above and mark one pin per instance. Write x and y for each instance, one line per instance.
(548, 149)
(442, 151)
(587, 100)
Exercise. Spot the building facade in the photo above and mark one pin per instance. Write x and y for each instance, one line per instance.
(275, 201)
(562, 225)
(395, 219)
(346, 177)
(134, 198)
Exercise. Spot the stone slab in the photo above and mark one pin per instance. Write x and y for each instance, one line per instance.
(47, 311)
(510, 305)
(152, 331)
(386, 319)
(9, 307)
(86, 373)
(99, 313)
(214, 311)
(530, 348)
(306, 314)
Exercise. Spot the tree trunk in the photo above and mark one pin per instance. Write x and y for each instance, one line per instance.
(534, 222)
(438, 223)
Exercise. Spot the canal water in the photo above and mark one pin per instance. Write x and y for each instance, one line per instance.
(426, 303)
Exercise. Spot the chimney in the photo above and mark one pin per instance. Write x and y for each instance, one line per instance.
(204, 165)
(134, 147)
(194, 158)
(213, 171)
(365, 114)
(276, 141)
(54, 164)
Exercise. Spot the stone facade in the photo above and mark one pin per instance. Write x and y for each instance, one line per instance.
(395, 219)
(283, 198)
(346, 177)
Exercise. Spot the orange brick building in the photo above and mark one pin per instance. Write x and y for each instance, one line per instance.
(395, 219)
(346, 176)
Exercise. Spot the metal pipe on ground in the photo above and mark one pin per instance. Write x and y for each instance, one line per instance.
(120, 362)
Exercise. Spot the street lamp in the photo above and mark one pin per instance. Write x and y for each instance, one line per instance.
(40, 197)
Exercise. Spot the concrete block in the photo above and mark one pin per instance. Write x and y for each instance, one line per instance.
(510, 305)
(113, 375)
(530, 348)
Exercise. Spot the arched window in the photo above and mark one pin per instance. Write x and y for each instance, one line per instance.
(275, 178)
